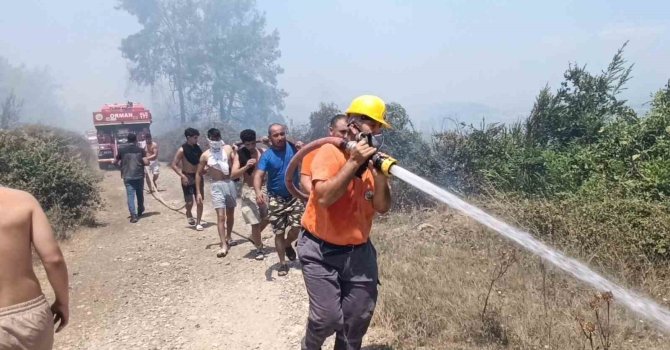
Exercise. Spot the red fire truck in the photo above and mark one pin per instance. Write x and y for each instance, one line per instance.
(113, 123)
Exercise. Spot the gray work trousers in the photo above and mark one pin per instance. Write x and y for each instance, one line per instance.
(342, 286)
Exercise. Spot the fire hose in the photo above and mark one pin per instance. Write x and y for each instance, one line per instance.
(380, 161)
(154, 192)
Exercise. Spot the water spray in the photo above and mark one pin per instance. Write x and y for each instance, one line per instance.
(641, 305)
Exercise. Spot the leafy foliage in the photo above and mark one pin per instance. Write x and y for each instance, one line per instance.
(319, 121)
(56, 166)
(216, 56)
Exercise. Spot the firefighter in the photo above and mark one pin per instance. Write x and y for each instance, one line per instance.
(339, 261)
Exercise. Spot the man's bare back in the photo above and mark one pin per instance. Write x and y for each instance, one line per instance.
(24, 224)
(17, 278)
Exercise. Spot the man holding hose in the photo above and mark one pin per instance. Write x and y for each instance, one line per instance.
(339, 261)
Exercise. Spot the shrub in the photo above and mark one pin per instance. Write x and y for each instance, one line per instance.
(56, 167)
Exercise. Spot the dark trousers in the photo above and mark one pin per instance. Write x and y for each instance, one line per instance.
(342, 287)
(135, 188)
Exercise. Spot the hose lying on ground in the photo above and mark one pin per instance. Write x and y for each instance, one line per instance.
(154, 192)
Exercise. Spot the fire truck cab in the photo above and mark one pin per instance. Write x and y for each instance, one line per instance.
(113, 123)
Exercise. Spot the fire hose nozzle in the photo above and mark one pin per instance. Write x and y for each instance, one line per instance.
(380, 161)
(383, 163)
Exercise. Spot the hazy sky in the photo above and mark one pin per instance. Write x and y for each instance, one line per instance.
(426, 55)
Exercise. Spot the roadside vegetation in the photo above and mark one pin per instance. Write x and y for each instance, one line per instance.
(58, 167)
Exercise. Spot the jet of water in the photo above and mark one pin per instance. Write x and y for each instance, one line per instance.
(637, 303)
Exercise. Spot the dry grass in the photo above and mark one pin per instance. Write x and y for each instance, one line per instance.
(436, 269)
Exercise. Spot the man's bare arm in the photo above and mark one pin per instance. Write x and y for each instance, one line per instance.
(258, 180)
(258, 185)
(155, 155)
(198, 175)
(54, 264)
(306, 184)
(230, 155)
(176, 162)
(381, 200)
(237, 171)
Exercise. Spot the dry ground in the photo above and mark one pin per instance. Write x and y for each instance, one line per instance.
(436, 268)
(157, 284)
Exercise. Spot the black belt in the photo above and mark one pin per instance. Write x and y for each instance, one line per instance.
(330, 246)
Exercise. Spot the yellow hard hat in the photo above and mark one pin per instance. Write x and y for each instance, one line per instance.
(370, 106)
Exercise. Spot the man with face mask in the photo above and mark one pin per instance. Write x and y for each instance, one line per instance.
(243, 166)
(339, 261)
(219, 160)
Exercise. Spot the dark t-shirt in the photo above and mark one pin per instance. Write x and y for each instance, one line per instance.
(244, 155)
(132, 165)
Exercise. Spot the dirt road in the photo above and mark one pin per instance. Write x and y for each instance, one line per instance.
(157, 285)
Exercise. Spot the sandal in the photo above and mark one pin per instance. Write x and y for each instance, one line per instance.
(222, 253)
(191, 221)
(260, 255)
(231, 243)
(283, 270)
(290, 253)
(199, 228)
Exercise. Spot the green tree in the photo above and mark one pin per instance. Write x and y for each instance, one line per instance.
(240, 60)
(582, 106)
(165, 47)
(319, 120)
(216, 55)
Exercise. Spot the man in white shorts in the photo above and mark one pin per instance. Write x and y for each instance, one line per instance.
(243, 166)
(219, 159)
(153, 169)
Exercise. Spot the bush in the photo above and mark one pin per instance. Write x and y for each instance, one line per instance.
(56, 166)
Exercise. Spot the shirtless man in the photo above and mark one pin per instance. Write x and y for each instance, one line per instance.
(185, 164)
(26, 321)
(243, 166)
(218, 160)
(154, 168)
